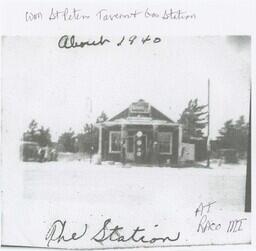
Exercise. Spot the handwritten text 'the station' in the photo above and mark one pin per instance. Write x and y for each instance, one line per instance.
(57, 233)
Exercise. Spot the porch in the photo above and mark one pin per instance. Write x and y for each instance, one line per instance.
(142, 141)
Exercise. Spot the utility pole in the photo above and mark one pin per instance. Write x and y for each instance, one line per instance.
(208, 127)
(90, 128)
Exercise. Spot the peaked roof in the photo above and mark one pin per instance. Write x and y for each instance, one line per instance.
(153, 113)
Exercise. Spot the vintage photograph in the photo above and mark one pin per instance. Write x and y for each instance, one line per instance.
(136, 124)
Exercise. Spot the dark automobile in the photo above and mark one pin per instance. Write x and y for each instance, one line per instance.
(29, 151)
(229, 155)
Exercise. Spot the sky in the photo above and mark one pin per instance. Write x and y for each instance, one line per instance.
(64, 89)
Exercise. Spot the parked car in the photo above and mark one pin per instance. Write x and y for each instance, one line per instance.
(229, 155)
(29, 151)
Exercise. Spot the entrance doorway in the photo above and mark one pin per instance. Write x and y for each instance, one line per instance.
(130, 148)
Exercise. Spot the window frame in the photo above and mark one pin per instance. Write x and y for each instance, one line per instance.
(110, 141)
(170, 143)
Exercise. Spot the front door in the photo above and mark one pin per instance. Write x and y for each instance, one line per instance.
(140, 148)
(130, 148)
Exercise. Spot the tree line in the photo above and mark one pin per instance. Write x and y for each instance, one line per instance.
(194, 118)
(69, 141)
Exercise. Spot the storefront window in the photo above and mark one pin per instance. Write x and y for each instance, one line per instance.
(115, 142)
(165, 142)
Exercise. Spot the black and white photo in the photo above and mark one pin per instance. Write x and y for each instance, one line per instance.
(126, 141)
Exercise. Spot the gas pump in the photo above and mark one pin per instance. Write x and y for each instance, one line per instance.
(140, 146)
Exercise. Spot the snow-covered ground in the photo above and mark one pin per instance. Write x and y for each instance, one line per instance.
(106, 184)
(162, 200)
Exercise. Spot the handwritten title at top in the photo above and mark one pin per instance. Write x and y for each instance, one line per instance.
(74, 14)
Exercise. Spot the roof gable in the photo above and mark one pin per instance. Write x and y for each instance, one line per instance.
(141, 109)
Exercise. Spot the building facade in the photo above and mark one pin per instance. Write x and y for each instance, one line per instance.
(140, 134)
